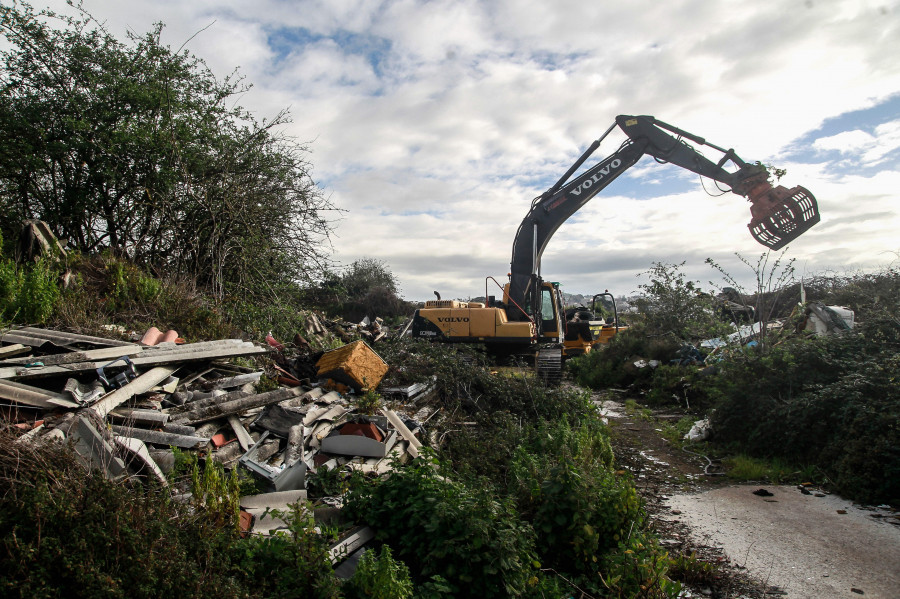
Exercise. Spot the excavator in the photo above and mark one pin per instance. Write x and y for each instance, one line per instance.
(530, 317)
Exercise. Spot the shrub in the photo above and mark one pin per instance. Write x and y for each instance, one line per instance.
(638, 569)
(28, 294)
(467, 535)
(564, 484)
(831, 402)
(379, 576)
(65, 530)
(611, 365)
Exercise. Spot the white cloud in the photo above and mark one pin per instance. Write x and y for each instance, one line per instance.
(475, 107)
(868, 149)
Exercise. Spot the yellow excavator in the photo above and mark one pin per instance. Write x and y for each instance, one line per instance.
(529, 319)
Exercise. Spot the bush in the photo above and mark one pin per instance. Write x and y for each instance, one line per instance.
(564, 484)
(67, 531)
(28, 294)
(831, 402)
(379, 576)
(467, 535)
(612, 365)
(675, 307)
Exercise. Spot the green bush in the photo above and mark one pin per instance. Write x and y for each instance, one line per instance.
(379, 576)
(831, 402)
(612, 365)
(10, 282)
(287, 564)
(565, 485)
(67, 531)
(467, 535)
(638, 568)
(28, 294)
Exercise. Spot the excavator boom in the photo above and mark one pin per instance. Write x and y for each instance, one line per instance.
(778, 215)
(531, 312)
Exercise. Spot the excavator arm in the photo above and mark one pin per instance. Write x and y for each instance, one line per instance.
(778, 215)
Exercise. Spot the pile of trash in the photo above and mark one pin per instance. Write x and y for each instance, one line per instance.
(124, 406)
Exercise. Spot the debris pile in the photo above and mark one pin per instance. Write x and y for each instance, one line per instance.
(124, 406)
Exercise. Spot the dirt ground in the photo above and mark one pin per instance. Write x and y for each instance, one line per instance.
(788, 544)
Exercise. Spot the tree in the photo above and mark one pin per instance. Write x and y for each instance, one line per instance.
(134, 148)
(672, 305)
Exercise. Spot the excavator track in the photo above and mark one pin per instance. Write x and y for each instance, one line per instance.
(548, 364)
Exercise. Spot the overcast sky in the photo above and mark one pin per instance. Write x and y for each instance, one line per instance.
(433, 124)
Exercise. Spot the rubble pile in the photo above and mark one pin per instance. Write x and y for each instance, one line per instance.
(124, 406)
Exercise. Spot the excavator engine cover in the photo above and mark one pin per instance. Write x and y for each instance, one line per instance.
(781, 215)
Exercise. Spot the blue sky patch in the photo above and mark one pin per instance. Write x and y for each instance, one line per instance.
(376, 49)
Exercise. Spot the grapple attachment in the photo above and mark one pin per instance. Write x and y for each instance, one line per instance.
(781, 215)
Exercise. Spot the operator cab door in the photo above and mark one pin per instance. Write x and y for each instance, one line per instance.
(549, 313)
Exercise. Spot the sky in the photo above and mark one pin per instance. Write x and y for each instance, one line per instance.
(433, 124)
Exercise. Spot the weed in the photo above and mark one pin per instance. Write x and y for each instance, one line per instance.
(379, 576)
(674, 433)
(742, 467)
(369, 402)
(326, 482)
(468, 535)
(691, 570)
(638, 569)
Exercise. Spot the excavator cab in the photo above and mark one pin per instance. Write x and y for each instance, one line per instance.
(781, 215)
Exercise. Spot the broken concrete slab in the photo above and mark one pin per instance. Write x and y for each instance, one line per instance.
(278, 420)
(36, 337)
(244, 438)
(357, 538)
(397, 423)
(354, 445)
(355, 439)
(34, 396)
(84, 393)
(291, 477)
(9, 351)
(141, 384)
(140, 416)
(279, 500)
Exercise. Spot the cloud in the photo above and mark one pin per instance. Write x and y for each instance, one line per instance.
(867, 149)
(434, 124)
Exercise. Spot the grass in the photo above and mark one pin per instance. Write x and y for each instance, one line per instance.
(674, 432)
(746, 468)
(632, 408)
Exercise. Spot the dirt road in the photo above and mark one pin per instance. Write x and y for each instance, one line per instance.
(787, 544)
